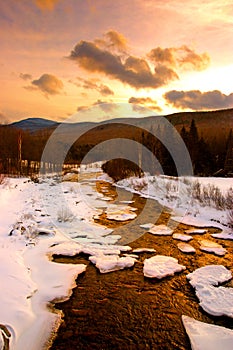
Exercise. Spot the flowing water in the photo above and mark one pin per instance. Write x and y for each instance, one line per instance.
(123, 309)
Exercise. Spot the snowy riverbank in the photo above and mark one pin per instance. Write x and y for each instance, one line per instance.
(194, 201)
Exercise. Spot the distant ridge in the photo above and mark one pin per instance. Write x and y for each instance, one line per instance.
(34, 124)
(210, 124)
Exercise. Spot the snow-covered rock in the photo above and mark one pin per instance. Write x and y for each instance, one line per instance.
(186, 248)
(160, 266)
(181, 237)
(212, 247)
(109, 263)
(160, 230)
(204, 336)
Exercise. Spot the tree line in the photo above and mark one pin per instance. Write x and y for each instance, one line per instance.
(21, 151)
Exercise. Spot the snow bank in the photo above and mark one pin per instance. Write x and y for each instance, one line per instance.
(176, 193)
(205, 336)
(160, 266)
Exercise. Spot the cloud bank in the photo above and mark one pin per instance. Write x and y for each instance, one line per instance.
(197, 100)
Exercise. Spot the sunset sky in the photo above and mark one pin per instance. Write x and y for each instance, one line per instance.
(60, 57)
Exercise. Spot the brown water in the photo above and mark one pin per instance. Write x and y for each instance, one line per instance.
(123, 309)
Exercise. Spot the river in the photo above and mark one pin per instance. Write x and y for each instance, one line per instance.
(126, 311)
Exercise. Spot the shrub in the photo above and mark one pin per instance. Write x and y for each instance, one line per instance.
(65, 215)
(230, 218)
(120, 168)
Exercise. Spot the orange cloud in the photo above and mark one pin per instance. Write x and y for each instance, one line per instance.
(109, 56)
(92, 84)
(46, 4)
(112, 41)
(49, 84)
(25, 76)
(144, 101)
(197, 100)
(188, 57)
(182, 56)
(134, 71)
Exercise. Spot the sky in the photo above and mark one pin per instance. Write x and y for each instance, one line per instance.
(61, 58)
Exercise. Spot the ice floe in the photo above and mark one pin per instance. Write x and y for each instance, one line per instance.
(223, 235)
(209, 275)
(217, 301)
(204, 336)
(212, 247)
(160, 266)
(143, 250)
(110, 263)
(186, 248)
(160, 230)
(197, 231)
(121, 215)
(181, 237)
(147, 226)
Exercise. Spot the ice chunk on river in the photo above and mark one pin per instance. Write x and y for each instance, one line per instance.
(212, 247)
(223, 235)
(204, 336)
(160, 266)
(217, 301)
(181, 237)
(209, 275)
(144, 250)
(109, 263)
(196, 231)
(186, 248)
(161, 230)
